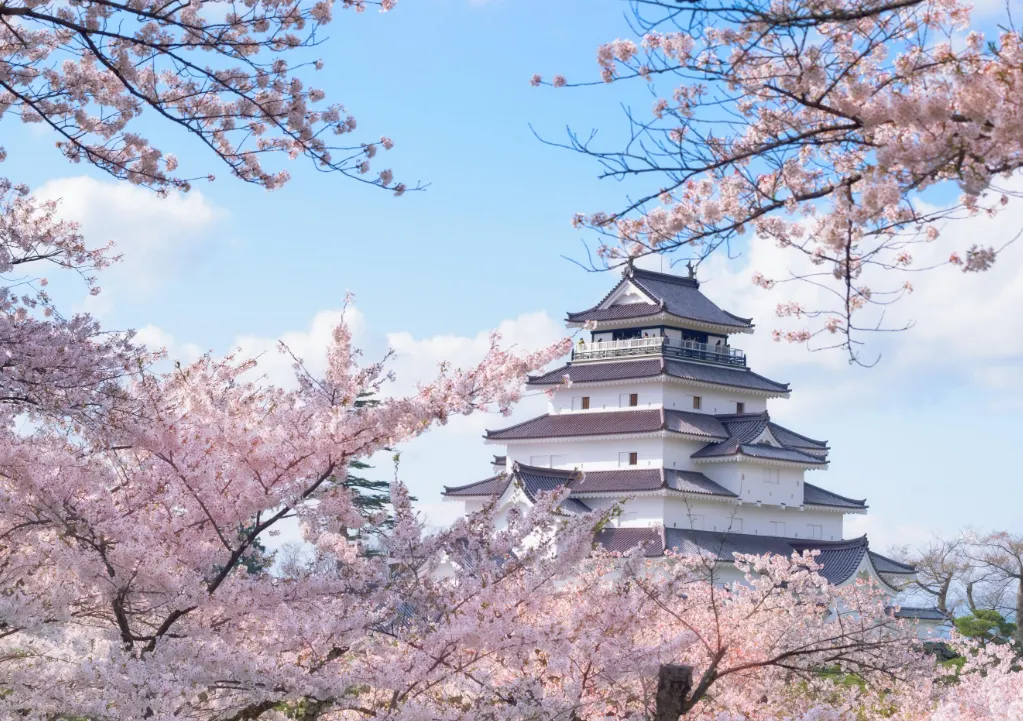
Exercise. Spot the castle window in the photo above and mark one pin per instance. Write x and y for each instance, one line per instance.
(772, 475)
(580, 403)
(634, 399)
(740, 407)
(633, 458)
(816, 531)
(697, 402)
(777, 528)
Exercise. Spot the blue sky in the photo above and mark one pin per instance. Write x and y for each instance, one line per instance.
(927, 436)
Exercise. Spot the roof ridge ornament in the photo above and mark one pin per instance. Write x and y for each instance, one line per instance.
(691, 269)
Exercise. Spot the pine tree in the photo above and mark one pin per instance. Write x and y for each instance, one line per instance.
(371, 497)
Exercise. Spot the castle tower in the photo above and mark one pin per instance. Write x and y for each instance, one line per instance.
(658, 407)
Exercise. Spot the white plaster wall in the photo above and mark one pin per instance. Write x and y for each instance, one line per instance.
(676, 453)
(716, 516)
(707, 515)
(754, 484)
(613, 398)
(680, 397)
(589, 455)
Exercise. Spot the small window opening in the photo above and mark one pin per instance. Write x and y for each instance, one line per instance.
(586, 403)
(634, 399)
(633, 458)
(697, 402)
(740, 407)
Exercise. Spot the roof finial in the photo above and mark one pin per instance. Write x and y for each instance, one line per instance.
(692, 270)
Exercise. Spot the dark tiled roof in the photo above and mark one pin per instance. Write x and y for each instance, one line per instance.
(919, 613)
(671, 293)
(883, 564)
(618, 312)
(724, 376)
(574, 506)
(499, 460)
(564, 425)
(541, 480)
(817, 496)
(693, 482)
(732, 447)
(620, 540)
(744, 428)
(795, 440)
(654, 367)
(838, 559)
(493, 486)
(647, 479)
(723, 545)
(694, 424)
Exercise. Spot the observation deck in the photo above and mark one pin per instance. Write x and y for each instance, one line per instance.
(659, 346)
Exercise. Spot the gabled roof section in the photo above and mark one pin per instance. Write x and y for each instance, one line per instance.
(838, 559)
(531, 480)
(883, 564)
(817, 496)
(493, 486)
(541, 480)
(655, 367)
(667, 293)
(732, 447)
(621, 540)
(569, 425)
(747, 433)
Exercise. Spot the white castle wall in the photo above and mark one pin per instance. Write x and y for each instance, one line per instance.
(654, 395)
(612, 398)
(592, 455)
(678, 512)
(712, 401)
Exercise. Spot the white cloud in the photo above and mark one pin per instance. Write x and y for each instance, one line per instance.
(154, 338)
(159, 237)
(965, 328)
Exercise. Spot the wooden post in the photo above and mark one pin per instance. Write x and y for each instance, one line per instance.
(673, 685)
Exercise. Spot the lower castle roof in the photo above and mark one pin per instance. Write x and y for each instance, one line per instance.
(838, 559)
(627, 481)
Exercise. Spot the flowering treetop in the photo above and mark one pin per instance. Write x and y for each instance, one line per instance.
(226, 73)
(820, 126)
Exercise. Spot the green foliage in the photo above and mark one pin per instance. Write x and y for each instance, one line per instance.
(986, 625)
(371, 497)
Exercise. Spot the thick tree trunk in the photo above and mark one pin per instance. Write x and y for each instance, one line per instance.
(673, 685)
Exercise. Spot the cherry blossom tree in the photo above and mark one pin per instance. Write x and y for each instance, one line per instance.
(229, 74)
(835, 129)
(123, 545)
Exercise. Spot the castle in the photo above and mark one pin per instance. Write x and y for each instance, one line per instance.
(658, 407)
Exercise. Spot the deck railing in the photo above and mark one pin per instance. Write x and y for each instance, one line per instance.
(658, 346)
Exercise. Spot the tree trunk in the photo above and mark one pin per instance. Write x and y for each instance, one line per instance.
(673, 685)
(1019, 615)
